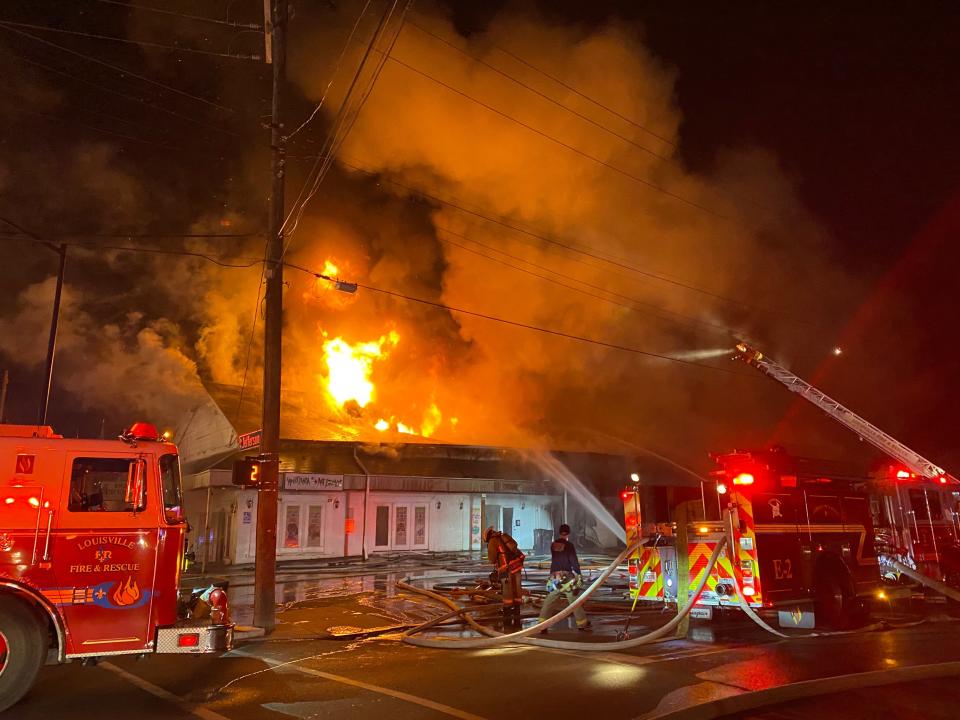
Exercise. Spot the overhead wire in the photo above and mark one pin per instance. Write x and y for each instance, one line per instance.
(572, 148)
(73, 122)
(576, 113)
(515, 323)
(127, 96)
(629, 304)
(583, 250)
(538, 93)
(583, 95)
(127, 41)
(116, 68)
(336, 70)
(337, 134)
(248, 262)
(187, 16)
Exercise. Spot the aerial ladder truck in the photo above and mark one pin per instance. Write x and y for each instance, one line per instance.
(916, 503)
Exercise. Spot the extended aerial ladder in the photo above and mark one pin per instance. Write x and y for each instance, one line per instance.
(914, 461)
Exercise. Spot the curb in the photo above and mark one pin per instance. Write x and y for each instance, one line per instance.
(245, 633)
(806, 689)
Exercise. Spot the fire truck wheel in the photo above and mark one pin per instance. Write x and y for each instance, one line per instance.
(22, 650)
(835, 603)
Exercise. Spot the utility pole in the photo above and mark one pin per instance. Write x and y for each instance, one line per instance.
(264, 593)
(3, 395)
(52, 342)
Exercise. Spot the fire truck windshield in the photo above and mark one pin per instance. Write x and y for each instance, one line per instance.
(170, 480)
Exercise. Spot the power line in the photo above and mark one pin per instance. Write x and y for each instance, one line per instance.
(576, 113)
(199, 18)
(552, 241)
(127, 96)
(337, 134)
(540, 94)
(561, 143)
(336, 69)
(117, 68)
(525, 326)
(74, 123)
(250, 262)
(141, 43)
(633, 301)
(586, 97)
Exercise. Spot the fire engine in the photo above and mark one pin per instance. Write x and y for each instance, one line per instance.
(91, 549)
(810, 539)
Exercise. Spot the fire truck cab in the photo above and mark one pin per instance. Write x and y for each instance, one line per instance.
(91, 548)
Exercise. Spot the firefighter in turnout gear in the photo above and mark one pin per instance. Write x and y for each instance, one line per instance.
(565, 578)
(507, 560)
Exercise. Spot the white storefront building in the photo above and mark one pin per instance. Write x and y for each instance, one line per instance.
(344, 498)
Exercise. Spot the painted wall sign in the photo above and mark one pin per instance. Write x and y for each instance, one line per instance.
(312, 481)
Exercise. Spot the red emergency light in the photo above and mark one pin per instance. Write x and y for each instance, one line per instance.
(143, 431)
(626, 495)
(744, 478)
(903, 474)
(188, 640)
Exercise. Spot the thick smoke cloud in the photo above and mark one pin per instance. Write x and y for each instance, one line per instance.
(736, 232)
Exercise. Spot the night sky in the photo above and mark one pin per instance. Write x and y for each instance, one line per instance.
(857, 103)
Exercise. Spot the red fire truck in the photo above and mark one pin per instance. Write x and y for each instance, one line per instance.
(808, 536)
(803, 541)
(91, 548)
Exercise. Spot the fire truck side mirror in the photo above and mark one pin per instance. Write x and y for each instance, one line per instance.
(247, 472)
(135, 495)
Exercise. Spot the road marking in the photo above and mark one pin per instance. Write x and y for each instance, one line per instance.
(407, 697)
(159, 692)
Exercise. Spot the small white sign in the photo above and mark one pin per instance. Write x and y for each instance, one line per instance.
(701, 613)
(649, 576)
(312, 481)
(746, 543)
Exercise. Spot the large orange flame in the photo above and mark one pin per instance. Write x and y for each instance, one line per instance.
(349, 368)
(126, 593)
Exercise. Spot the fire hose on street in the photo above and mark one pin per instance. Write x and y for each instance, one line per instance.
(935, 585)
(494, 638)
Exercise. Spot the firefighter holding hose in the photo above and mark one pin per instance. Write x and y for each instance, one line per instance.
(506, 558)
(565, 578)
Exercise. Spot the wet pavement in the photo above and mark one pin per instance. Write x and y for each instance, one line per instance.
(302, 671)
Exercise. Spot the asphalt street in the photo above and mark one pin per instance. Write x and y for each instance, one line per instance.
(300, 672)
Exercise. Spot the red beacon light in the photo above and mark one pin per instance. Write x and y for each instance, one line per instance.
(903, 475)
(743, 479)
(141, 431)
(626, 495)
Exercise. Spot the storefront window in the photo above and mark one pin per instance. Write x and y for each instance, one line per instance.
(291, 527)
(420, 525)
(400, 526)
(315, 526)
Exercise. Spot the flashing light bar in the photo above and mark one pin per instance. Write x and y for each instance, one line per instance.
(743, 479)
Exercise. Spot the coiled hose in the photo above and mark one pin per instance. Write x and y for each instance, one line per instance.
(495, 638)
